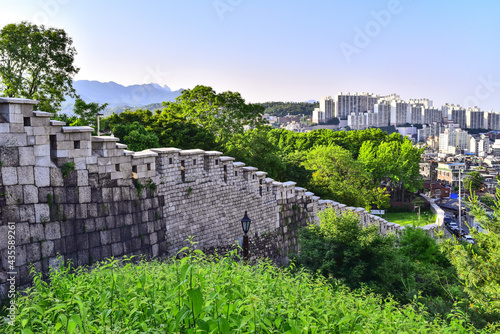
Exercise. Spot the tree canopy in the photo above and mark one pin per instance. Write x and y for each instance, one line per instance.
(478, 265)
(473, 180)
(37, 63)
(223, 114)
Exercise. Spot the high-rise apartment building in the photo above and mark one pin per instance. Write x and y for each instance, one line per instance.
(431, 115)
(424, 102)
(346, 104)
(383, 111)
(492, 120)
(416, 112)
(452, 141)
(455, 114)
(399, 112)
(327, 105)
(475, 118)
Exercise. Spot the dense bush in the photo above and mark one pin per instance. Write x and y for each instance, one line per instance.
(407, 266)
(202, 295)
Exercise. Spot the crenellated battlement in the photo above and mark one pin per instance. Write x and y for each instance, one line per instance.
(88, 198)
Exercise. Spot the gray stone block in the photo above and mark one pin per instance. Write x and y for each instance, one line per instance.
(115, 235)
(30, 194)
(42, 176)
(52, 231)
(20, 255)
(42, 150)
(94, 239)
(81, 211)
(8, 155)
(106, 252)
(22, 234)
(9, 176)
(47, 249)
(83, 257)
(117, 249)
(26, 156)
(105, 237)
(84, 194)
(43, 161)
(42, 212)
(4, 237)
(82, 178)
(33, 253)
(82, 241)
(56, 179)
(89, 225)
(11, 214)
(37, 232)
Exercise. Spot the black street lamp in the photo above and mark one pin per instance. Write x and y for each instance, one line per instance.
(245, 224)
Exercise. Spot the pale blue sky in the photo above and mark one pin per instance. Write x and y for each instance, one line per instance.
(277, 50)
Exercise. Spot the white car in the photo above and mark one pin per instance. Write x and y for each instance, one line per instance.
(469, 239)
(453, 226)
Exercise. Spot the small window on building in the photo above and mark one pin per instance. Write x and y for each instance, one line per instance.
(194, 162)
(216, 162)
(170, 160)
(148, 166)
(27, 121)
(134, 169)
(117, 167)
(76, 144)
(253, 177)
(235, 173)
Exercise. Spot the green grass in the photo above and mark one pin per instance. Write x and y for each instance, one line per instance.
(411, 218)
(210, 295)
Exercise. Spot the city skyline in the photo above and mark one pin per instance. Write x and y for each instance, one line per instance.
(284, 51)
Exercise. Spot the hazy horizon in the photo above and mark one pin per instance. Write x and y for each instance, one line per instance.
(284, 51)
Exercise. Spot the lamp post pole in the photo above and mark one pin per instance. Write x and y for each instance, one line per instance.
(245, 224)
(460, 200)
(99, 123)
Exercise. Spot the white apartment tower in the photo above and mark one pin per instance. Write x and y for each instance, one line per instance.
(492, 120)
(399, 112)
(346, 104)
(431, 115)
(474, 118)
(453, 140)
(327, 105)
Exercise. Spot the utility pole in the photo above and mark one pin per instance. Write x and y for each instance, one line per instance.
(460, 200)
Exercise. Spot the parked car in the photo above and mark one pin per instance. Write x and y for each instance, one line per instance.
(453, 226)
(469, 239)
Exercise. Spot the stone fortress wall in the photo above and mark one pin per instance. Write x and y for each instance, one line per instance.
(87, 198)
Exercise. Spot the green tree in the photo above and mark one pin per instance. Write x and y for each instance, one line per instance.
(478, 265)
(336, 175)
(254, 148)
(473, 180)
(380, 198)
(339, 247)
(169, 128)
(224, 114)
(488, 200)
(37, 63)
(86, 113)
(136, 137)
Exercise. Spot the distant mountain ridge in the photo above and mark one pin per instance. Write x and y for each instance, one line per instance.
(117, 95)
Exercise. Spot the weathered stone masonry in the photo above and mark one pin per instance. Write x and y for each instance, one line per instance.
(88, 198)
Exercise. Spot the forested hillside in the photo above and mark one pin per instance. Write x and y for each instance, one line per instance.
(292, 108)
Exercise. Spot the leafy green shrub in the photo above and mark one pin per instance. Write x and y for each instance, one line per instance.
(67, 168)
(209, 295)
